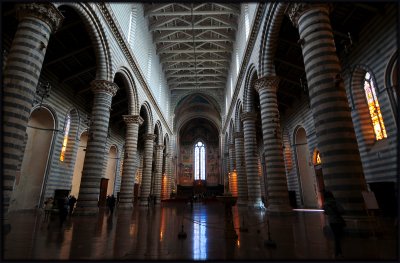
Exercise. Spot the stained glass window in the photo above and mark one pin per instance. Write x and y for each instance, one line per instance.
(199, 161)
(65, 141)
(374, 109)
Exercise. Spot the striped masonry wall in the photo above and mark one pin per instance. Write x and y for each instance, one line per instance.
(21, 75)
(253, 181)
(341, 163)
(232, 158)
(129, 164)
(278, 197)
(95, 152)
(158, 172)
(147, 167)
(241, 169)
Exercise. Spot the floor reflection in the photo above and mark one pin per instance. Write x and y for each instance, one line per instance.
(200, 233)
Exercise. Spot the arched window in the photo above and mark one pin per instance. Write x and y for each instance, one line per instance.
(65, 141)
(374, 109)
(199, 161)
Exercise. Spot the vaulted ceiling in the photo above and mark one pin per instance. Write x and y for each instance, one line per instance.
(194, 42)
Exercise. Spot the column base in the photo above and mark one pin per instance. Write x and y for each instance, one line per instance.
(86, 211)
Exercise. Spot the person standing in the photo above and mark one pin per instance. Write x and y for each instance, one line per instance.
(334, 211)
(62, 204)
(71, 203)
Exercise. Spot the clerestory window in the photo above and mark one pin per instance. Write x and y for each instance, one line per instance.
(65, 140)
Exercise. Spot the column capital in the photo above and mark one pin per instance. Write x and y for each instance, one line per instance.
(149, 136)
(159, 147)
(167, 155)
(267, 82)
(46, 12)
(133, 119)
(238, 135)
(296, 10)
(252, 116)
(99, 85)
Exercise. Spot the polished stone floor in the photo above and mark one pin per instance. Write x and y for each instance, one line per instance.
(152, 234)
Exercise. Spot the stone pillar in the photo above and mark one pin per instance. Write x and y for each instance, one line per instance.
(341, 162)
(232, 158)
(95, 150)
(278, 196)
(226, 172)
(21, 76)
(147, 167)
(168, 161)
(129, 166)
(240, 168)
(250, 155)
(158, 172)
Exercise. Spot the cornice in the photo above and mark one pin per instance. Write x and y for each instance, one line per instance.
(257, 21)
(115, 28)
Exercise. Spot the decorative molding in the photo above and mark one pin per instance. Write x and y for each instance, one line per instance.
(296, 10)
(268, 82)
(98, 86)
(123, 44)
(159, 147)
(149, 136)
(46, 12)
(249, 49)
(133, 119)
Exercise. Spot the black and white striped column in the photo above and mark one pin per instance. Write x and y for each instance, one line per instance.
(147, 167)
(232, 158)
(21, 75)
(158, 172)
(129, 166)
(250, 155)
(240, 168)
(96, 147)
(168, 162)
(278, 196)
(341, 163)
(225, 175)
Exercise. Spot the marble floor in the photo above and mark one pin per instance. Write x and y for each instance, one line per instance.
(152, 234)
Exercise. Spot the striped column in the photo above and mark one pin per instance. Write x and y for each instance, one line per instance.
(250, 155)
(21, 75)
(129, 165)
(341, 163)
(240, 168)
(168, 161)
(232, 158)
(147, 166)
(278, 196)
(95, 150)
(225, 175)
(158, 171)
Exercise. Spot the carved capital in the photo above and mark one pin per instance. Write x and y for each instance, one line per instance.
(238, 135)
(296, 10)
(252, 116)
(106, 86)
(46, 12)
(269, 82)
(149, 136)
(132, 119)
(159, 147)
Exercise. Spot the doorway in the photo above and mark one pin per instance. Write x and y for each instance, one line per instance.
(305, 170)
(29, 183)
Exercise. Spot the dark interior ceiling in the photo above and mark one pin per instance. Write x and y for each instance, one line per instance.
(70, 56)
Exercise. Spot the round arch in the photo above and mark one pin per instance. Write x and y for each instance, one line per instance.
(249, 91)
(133, 100)
(98, 37)
(148, 116)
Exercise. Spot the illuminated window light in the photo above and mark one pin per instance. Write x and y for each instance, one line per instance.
(374, 108)
(199, 161)
(318, 158)
(65, 141)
